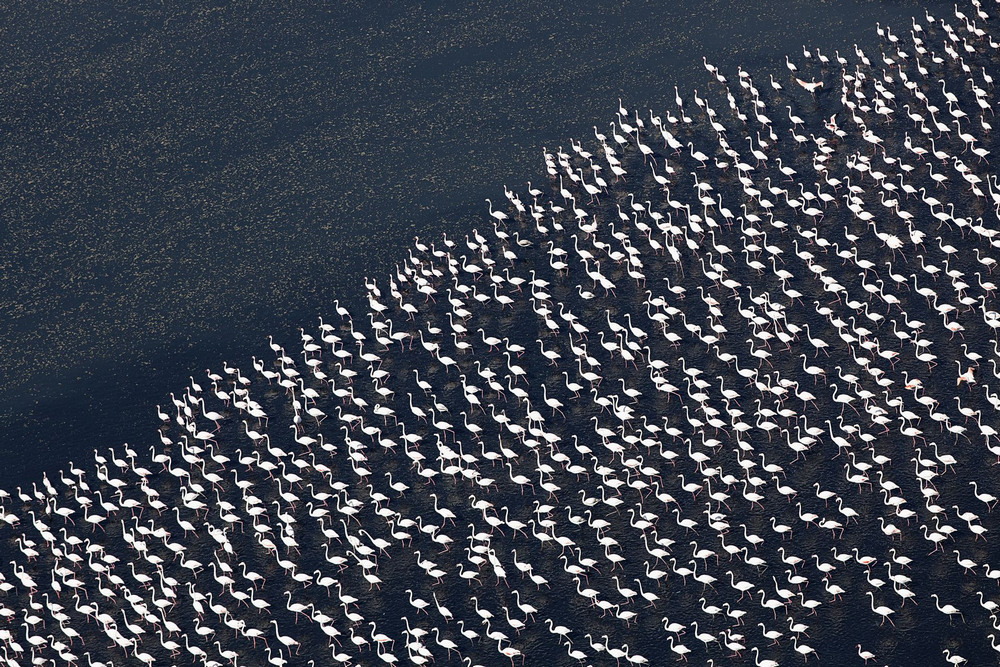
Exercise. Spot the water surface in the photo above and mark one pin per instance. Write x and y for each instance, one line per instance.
(181, 182)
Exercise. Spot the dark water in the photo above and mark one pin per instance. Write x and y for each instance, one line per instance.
(921, 631)
(179, 183)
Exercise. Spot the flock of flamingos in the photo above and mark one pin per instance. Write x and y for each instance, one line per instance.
(719, 390)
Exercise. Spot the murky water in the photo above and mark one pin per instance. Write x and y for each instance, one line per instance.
(179, 183)
(918, 634)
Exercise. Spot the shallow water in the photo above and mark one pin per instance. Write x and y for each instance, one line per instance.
(271, 253)
(179, 183)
